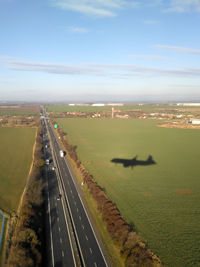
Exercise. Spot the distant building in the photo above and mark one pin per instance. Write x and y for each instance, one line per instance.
(189, 104)
(195, 121)
(179, 116)
(115, 104)
(98, 105)
(126, 116)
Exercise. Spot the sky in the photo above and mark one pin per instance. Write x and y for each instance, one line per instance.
(99, 50)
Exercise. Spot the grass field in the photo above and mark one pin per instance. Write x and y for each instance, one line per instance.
(17, 113)
(161, 200)
(23, 110)
(145, 108)
(16, 146)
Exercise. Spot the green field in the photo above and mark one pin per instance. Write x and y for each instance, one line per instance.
(17, 113)
(144, 108)
(16, 146)
(161, 200)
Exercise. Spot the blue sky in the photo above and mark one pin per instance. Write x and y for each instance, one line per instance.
(84, 50)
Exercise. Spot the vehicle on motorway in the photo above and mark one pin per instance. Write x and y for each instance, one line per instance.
(47, 161)
(59, 197)
(61, 153)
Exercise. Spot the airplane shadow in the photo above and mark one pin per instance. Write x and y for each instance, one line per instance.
(134, 162)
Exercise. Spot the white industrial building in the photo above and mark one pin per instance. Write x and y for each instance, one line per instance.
(195, 121)
(188, 104)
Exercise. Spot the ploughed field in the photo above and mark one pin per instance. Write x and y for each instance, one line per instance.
(16, 147)
(161, 200)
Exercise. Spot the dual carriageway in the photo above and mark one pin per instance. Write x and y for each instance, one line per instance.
(70, 237)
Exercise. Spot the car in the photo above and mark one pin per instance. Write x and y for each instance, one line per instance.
(59, 197)
(47, 161)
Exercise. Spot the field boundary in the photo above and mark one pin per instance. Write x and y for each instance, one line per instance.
(179, 126)
(30, 170)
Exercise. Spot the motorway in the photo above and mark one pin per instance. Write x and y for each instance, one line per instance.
(58, 245)
(71, 235)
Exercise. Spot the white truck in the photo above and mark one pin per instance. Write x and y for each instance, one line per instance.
(61, 153)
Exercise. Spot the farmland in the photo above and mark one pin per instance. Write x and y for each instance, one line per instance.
(19, 110)
(161, 200)
(89, 108)
(15, 161)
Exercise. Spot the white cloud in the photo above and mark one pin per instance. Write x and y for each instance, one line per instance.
(97, 8)
(181, 6)
(151, 57)
(97, 69)
(77, 29)
(179, 49)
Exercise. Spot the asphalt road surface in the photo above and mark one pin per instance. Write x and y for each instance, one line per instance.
(59, 250)
(72, 238)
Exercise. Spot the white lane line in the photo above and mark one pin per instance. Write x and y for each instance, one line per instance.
(95, 264)
(58, 219)
(80, 218)
(59, 228)
(71, 191)
(56, 204)
(60, 240)
(86, 237)
(90, 250)
(63, 253)
(77, 209)
(82, 226)
(75, 203)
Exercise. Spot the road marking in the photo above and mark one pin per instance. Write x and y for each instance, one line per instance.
(90, 250)
(82, 226)
(80, 218)
(75, 203)
(59, 228)
(60, 240)
(63, 253)
(86, 237)
(56, 204)
(77, 209)
(95, 264)
(71, 191)
(58, 219)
